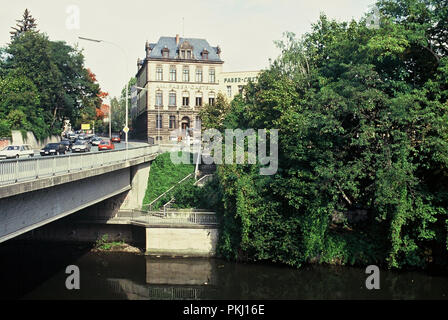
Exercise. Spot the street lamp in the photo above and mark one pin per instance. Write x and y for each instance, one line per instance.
(127, 83)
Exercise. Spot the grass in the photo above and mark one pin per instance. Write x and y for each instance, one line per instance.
(165, 174)
(104, 244)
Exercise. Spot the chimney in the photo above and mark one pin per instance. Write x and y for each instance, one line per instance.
(148, 49)
(177, 39)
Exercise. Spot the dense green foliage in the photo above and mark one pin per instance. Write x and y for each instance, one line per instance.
(187, 195)
(362, 115)
(42, 83)
(164, 175)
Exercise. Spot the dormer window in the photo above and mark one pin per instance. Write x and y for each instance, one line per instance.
(165, 53)
(204, 54)
(186, 50)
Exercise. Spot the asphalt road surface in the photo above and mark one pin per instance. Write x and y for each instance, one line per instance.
(118, 146)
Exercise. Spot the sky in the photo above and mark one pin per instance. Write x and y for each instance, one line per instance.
(244, 29)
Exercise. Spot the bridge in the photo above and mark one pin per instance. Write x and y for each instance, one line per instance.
(35, 192)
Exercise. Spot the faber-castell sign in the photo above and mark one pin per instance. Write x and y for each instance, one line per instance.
(240, 80)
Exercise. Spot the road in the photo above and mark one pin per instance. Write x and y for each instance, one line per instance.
(118, 146)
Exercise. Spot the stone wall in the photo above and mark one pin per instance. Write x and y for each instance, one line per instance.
(30, 139)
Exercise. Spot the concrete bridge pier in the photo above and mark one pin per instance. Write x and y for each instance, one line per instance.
(139, 182)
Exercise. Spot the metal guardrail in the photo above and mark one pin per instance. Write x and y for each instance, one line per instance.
(193, 218)
(14, 171)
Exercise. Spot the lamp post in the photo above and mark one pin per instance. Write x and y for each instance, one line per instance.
(127, 82)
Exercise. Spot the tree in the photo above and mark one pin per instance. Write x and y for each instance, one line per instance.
(212, 116)
(118, 106)
(66, 89)
(363, 150)
(27, 23)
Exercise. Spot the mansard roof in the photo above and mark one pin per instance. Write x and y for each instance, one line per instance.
(197, 45)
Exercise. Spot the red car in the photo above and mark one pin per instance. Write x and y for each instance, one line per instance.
(106, 145)
(116, 138)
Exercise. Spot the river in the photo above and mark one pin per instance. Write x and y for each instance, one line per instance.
(37, 271)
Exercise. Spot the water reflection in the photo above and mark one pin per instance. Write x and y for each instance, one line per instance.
(130, 276)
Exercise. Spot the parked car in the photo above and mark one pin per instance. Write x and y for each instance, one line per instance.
(68, 144)
(17, 151)
(116, 138)
(53, 149)
(106, 145)
(96, 141)
(81, 146)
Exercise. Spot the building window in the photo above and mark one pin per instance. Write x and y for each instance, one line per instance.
(186, 75)
(173, 74)
(197, 123)
(188, 54)
(229, 91)
(204, 54)
(211, 98)
(159, 74)
(185, 101)
(165, 52)
(198, 101)
(158, 121)
(159, 99)
(240, 89)
(211, 75)
(172, 100)
(172, 122)
(198, 75)
(159, 138)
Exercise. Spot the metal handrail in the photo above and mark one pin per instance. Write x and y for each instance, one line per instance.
(163, 194)
(14, 171)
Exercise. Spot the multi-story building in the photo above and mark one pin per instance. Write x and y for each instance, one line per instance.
(179, 76)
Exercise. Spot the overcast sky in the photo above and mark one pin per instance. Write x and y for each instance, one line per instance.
(244, 29)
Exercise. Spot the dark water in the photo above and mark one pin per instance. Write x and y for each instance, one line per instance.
(37, 271)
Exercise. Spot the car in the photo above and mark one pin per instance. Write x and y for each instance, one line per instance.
(73, 137)
(53, 149)
(17, 151)
(68, 144)
(106, 145)
(96, 141)
(81, 137)
(81, 146)
(116, 138)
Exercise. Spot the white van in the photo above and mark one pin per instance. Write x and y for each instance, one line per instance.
(17, 151)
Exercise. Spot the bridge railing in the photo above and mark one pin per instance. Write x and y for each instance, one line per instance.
(177, 218)
(13, 171)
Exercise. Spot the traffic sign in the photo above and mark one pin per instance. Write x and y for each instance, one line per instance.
(126, 130)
